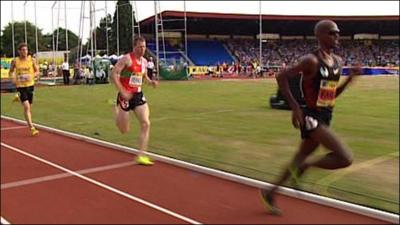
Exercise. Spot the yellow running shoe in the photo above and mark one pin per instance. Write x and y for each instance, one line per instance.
(269, 202)
(34, 131)
(144, 160)
(16, 98)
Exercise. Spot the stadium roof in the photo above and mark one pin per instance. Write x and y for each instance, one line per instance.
(247, 24)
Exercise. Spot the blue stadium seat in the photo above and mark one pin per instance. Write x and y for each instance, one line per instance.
(204, 53)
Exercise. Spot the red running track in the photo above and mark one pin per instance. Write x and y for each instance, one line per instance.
(35, 191)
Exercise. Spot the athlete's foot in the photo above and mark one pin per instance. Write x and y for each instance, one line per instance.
(34, 131)
(15, 98)
(295, 173)
(144, 160)
(269, 202)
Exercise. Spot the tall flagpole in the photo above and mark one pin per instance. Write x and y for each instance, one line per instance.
(117, 6)
(66, 28)
(12, 28)
(106, 27)
(52, 29)
(133, 25)
(261, 36)
(185, 20)
(58, 24)
(36, 34)
(157, 47)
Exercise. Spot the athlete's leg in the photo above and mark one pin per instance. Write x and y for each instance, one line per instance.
(339, 157)
(27, 113)
(121, 119)
(142, 114)
(26, 97)
(307, 147)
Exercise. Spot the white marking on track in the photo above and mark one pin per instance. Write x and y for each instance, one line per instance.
(14, 128)
(4, 221)
(105, 186)
(63, 175)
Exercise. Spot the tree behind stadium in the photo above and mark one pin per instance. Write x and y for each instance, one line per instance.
(124, 29)
(19, 36)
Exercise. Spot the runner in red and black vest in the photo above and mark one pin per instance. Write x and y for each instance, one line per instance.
(321, 72)
(128, 76)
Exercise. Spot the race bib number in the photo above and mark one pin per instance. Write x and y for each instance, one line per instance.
(327, 93)
(24, 77)
(135, 80)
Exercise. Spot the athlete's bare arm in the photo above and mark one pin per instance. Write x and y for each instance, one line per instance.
(354, 71)
(307, 66)
(150, 81)
(121, 64)
(35, 68)
(11, 73)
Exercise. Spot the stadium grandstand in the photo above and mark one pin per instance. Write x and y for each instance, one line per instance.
(216, 145)
(232, 42)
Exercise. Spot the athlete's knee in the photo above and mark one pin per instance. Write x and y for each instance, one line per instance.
(27, 107)
(145, 124)
(123, 129)
(346, 159)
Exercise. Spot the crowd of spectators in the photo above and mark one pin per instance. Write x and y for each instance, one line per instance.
(279, 52)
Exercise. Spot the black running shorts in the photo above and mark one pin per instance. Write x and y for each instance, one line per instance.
(314, 118)
(137, 100)
(26, 94)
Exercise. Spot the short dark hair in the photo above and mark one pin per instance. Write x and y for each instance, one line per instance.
(21, 45)
(138, 39)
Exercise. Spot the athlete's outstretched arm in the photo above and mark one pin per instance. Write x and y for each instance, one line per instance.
(307, 66)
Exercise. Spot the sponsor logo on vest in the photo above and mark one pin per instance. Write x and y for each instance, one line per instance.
(324, 71)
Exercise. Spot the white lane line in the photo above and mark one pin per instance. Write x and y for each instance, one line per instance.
(90, 180)
(13, 128)
(309, 197)
(4, 221)
(63, 175)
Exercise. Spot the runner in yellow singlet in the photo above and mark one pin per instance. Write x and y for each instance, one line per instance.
(24, 70)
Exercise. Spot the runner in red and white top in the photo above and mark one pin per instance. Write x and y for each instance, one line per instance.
(128, 76)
